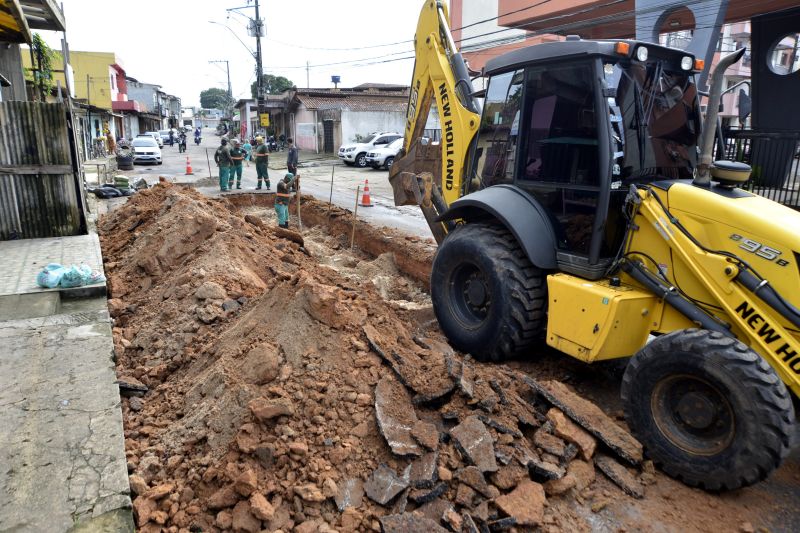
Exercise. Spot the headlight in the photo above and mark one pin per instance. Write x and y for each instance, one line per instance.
(687, 63)
(641, 53)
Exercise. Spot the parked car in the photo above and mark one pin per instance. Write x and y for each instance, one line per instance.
(155, 135)
(146, 150)
(383, 157)
(356, 153)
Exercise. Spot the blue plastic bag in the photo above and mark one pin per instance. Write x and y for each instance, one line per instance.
(55, 275)
(50, 276)
(76, 276)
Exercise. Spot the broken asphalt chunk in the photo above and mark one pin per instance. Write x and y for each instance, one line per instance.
(589, 417)
(475, 443)
(620, 476)
(409, 523)
(420, 496)
(130, 386)
(474, 478)
(396, 416)
(423, 471)
(384, 484)
(350, 493)
(425, 376)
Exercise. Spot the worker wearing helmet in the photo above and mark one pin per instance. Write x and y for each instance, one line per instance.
(237, 155)
(282, 200)
(262, 159)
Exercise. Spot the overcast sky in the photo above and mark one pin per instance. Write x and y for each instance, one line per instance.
(170, 42)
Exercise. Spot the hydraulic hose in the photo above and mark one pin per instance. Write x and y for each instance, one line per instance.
(673, 298)
(770, 296)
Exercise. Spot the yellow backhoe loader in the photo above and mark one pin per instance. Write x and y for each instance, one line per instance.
(579, 205)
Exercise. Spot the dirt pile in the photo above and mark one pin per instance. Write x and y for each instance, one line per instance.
(284, 394)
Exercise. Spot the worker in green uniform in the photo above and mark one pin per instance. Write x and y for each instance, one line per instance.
(237, 155)
(222, 157)
(262, 159)
(282, 200)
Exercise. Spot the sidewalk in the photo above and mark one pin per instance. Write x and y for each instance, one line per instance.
(61, 438)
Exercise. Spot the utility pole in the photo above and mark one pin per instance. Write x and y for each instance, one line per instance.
(259, 68)
(230, 90)
(88, 109)
(308, 82)
(228, 70)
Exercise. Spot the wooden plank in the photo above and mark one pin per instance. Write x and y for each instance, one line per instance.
(21, 24)
(36, 169)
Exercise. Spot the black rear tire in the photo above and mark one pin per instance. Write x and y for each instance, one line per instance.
(489, 299)
(708, 409)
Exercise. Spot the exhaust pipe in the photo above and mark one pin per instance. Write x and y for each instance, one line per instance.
(702, 174)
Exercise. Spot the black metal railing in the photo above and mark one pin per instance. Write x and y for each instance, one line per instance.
(773, 155)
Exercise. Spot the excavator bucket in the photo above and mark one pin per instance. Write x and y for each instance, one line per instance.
(416, 179)
(407, 170)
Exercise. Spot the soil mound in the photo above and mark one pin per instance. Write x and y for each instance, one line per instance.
(283, 394)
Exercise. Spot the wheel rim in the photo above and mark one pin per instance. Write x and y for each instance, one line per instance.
(470, 295)
(361, 161)
(693, 414)
(389, 164)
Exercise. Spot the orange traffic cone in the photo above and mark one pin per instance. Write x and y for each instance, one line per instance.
(365, 200)
(188, 167)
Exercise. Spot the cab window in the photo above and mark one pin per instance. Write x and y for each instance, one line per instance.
(495, 157)
(559, 154)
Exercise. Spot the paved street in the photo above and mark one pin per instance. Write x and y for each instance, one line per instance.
(315, 172)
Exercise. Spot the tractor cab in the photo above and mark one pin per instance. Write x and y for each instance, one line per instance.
(574, 123)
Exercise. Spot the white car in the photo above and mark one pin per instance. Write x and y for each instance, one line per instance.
(384, 157)
(146, 150)
(155, 135)
(356, 153)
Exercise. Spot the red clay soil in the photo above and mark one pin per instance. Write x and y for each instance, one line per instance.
(261, 364)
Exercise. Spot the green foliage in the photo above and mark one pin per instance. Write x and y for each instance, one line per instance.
(42, 73)
(272, 84)
(215, 98)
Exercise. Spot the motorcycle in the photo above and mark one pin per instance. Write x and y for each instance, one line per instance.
(197, 140)
(272, 144)
(182, 144)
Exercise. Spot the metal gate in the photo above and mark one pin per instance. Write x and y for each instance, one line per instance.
(327, 131)
(40, 193)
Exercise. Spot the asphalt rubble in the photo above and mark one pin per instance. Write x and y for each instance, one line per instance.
(265, 391)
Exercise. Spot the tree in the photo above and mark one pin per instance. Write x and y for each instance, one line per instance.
(215, 98)
(273, 84)
(41, 73)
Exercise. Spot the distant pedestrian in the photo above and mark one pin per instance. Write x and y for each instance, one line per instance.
(282, 199)
(248, 149)
(237, 155)
(222, 157)
(171, 138)
(262, 160)
(291, 157)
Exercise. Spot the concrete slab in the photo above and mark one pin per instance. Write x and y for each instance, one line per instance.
(61, 440)
(22, 260)
(17, 306)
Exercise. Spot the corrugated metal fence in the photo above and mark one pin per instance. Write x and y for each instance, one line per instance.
(39, 194)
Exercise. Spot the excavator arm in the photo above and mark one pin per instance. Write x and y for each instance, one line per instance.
(433, 175)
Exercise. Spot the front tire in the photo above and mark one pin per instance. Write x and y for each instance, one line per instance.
(709, 410)
(361, 160)
(489, 299)
(389, 162)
